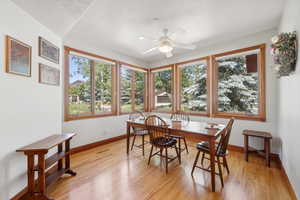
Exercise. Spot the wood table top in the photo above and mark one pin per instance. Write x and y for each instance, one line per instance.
(194, 127)
(47, 143)
(254, 133)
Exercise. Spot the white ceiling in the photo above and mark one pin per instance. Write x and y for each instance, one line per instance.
(117, 24)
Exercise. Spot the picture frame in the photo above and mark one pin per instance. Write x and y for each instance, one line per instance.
(18, 57)
(48, 51)
(49, 75)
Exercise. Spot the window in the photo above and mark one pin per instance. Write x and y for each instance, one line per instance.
(230, 84)
(239, 88)
(132, 89)
(193, 86)
(103, 86)
(90, 86)
(80, 85)
(140, 90)
(162, 89)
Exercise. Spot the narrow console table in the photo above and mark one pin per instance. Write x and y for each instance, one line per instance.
(50, 169)
(267, 146)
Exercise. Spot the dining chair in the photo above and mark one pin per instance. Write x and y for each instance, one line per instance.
(158, 132)
(185, 118)
(138, 131)
(221, 151)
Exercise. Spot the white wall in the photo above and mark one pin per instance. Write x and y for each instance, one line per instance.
(289, 103)
(271, 86)
(91, 48)
(29, 110)
(97, 129)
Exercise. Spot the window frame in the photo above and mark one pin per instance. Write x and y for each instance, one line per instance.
(179, 88)
(152, 71)
(261, 116)
(149, 103)
(93, 114)
(133, 68)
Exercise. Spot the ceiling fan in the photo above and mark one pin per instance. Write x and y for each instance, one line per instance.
(166, 45)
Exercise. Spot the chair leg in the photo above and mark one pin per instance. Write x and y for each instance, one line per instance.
(166, 160)
(226, 164)
(220, 170)
(179, 148)
(160, 152)
(177, 154)
(195, 162)
(202, 159)
(150, 154)
(143, 145)
(133, 141)
(186, 148)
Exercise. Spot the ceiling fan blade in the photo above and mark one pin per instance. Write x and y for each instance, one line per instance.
(150, 50)
(169, 54)
(144, 37)
(185, 46)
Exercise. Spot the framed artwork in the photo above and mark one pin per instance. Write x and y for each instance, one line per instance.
(48, 50)
(18, 57)
(49, 75)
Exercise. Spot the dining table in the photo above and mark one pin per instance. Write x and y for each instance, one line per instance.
(200, 131)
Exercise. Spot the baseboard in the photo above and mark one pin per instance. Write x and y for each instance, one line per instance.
(277, 160)
(96, 144)
(20, 194)
(274, 156)
(290, 187)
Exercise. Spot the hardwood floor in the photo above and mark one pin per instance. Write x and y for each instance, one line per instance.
(106, 172)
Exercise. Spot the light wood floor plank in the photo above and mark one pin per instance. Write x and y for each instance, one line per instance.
(107, 173)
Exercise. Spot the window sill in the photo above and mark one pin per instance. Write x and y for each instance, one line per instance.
(162, 111)
(204, 114)
(240, 116)
(79, 117)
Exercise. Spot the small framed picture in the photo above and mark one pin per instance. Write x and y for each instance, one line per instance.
(49, 75)
(18, 57)
(48, 50)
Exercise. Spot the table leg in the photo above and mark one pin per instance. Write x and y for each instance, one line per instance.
(267, 151)
(179, 147)
(67, 159)
(246, 143)
(60, 162)
(30, 173)
(128, 138)
(41, 178)
(212, 163)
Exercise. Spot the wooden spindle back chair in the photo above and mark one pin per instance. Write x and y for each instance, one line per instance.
(157, 128)
(221, 151)
(138, 131)
(159, 137)
(182, 117)
(224, 141)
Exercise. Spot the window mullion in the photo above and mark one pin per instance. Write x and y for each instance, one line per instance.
(93, 89)
(133, 90)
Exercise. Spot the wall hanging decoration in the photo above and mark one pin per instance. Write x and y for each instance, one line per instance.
(48, 50)
(49, 75)
(18, 57)
(284, 52)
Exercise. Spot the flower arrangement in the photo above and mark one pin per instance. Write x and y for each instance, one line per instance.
(284, 52)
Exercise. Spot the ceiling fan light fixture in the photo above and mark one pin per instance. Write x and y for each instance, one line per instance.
(165, 47)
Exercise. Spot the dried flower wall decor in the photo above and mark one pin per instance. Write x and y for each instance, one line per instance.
(284, 52)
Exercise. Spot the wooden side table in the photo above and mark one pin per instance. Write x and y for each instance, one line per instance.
(267, 140)
(50, 169)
